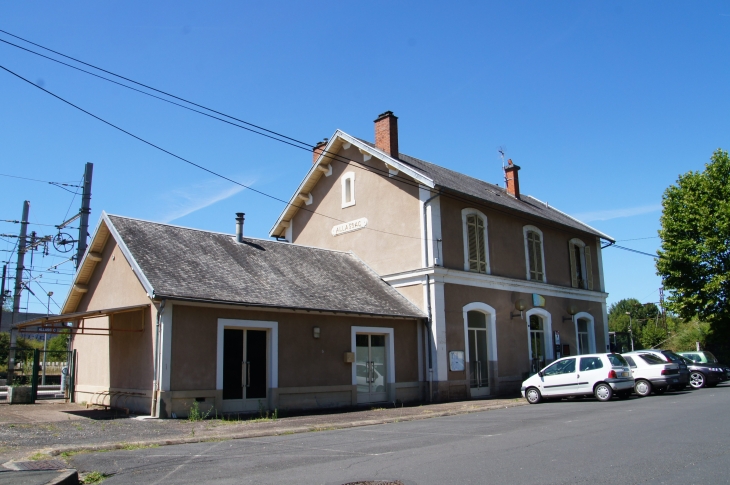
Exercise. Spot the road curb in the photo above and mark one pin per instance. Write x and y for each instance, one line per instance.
(331, 426)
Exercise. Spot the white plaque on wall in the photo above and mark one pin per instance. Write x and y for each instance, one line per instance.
(346, 227)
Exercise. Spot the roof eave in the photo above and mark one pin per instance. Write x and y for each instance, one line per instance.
(277, 229)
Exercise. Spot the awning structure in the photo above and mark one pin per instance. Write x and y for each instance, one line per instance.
(77, 323)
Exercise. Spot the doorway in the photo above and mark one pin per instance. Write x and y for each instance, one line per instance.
(478, 355)
(371, 368)
(245, 372)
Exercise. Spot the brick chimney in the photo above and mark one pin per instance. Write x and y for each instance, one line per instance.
(512, 179)
(386, 133)
(317, 150)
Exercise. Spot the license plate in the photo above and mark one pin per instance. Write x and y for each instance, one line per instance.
(625, 374)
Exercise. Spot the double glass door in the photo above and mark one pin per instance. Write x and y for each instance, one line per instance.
(244, 369)
(371, 371)
(478, 358)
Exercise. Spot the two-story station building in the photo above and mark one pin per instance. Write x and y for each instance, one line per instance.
(507, 281)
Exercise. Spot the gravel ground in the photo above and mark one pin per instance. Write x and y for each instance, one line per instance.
(26, 430)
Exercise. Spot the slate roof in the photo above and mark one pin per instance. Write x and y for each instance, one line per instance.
(183, 263)
(493, 194)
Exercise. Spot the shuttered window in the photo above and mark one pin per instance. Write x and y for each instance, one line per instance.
(476, 243)
(581, 267)
(534, 255)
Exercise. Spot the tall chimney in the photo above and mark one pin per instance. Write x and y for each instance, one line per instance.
(512, 178)
(386, 133)
(317, 150)
(239, 226)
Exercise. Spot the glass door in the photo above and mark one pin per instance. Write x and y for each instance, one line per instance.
(244, 369)
(478, 358)
(370, 371)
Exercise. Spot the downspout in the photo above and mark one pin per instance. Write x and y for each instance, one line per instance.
(428, 298)
(155, 380)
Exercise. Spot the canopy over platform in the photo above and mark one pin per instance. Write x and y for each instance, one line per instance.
(77, 322)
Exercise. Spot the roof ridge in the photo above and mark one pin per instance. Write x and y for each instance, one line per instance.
(228, 234)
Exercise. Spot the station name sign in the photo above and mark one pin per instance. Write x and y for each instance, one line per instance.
(346, 227)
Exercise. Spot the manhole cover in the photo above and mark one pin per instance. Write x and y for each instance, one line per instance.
(40, 465)
(375, 482)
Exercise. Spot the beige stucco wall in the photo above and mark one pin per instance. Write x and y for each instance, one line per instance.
(512, 333)
(414, 294)
(507, 243)
(391, 207)
(303, 360)
(123, 361)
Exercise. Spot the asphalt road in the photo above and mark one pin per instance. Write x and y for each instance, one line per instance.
(678, 438)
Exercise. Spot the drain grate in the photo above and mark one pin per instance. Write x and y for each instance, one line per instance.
(375, 482)
(40, 465)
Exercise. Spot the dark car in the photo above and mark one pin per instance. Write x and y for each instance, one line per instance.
(704, 374)
(706, 357)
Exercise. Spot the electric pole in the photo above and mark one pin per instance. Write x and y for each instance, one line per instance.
(18, 288)
(85, 211)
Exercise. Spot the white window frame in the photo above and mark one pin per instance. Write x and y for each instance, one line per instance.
(582, 251)
(491, 315)
(465, 230)
(525, 230)
(591, 331)
(345, 177)
(547, 328)
(272, 339)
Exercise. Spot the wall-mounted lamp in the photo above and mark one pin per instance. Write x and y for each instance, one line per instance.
(315, 332)
(520, 307)
(572, 310)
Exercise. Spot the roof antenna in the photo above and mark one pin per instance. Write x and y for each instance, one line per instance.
(501, 151)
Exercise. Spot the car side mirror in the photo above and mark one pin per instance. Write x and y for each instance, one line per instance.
(541, 373)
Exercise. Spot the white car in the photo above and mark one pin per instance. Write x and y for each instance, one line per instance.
(599, 375)
(651, 372)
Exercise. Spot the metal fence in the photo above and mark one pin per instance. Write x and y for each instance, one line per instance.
(48, 373)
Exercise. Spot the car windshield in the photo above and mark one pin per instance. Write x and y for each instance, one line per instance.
(652, 359)
(617, 360)
(694, 357)
(688, 361)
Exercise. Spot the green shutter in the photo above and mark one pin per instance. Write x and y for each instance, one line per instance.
(573, 273)
(589, 268)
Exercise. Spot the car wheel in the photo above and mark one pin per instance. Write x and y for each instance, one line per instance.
(642, 388)
(624, 394)
(603, 392)
(697, 380)
(532, 395)
(660, 390)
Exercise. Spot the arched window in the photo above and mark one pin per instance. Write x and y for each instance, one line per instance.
(480, 340)
(476, 249)
(348, 189)
(585, 334)
(581, 269)
(534, 254)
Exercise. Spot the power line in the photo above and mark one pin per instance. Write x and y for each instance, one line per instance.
(57, 184)
(634, 251)
(306, 146)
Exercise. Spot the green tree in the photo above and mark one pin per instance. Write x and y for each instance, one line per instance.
(694, 261)
(643, 316)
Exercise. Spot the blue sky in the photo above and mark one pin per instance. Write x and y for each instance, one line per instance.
(602, 104)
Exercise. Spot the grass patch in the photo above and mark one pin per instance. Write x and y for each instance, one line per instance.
(39, 456)
(132, 446)
(195, 414)
(93, 477)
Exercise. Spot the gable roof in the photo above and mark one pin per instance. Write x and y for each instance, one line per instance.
(189, 264)
(432, 176)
